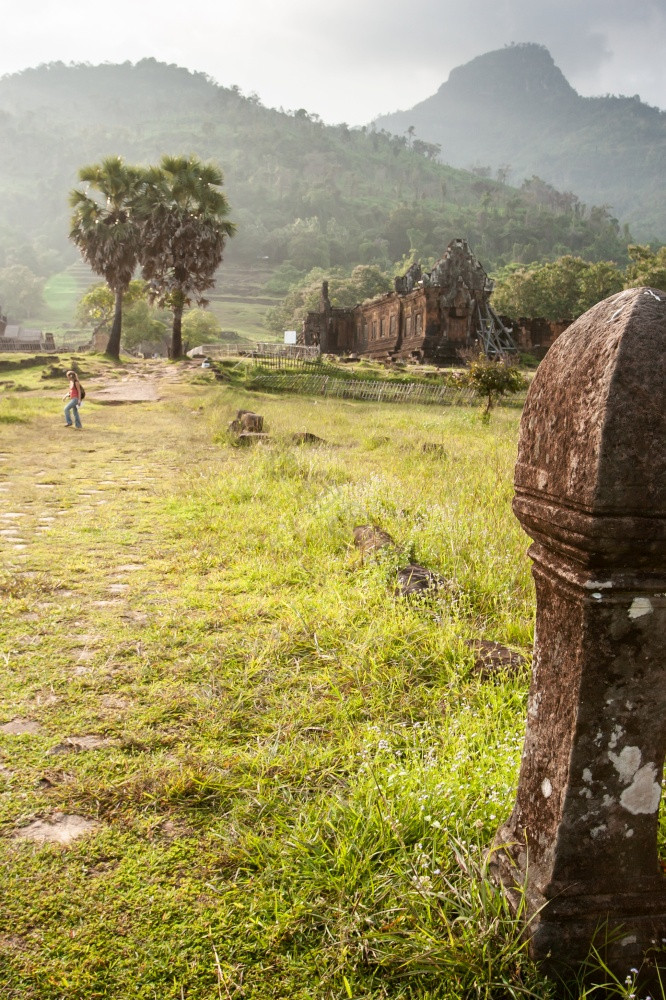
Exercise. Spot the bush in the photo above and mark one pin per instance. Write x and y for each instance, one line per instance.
(491, 379)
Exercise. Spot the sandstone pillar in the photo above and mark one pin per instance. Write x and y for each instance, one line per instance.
(591, 492)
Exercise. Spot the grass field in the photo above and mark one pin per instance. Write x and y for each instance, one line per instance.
(291, 775)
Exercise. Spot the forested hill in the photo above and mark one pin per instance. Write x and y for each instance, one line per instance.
(303, 194)
(514, 108)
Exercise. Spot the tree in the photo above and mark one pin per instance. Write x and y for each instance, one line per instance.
(95, 308)
(560, 289)
(491, 379)
(143, 329)
(200, 327)
(141, 324)
(647, 267)
(20, 292)
(184, 228)
(105, 228)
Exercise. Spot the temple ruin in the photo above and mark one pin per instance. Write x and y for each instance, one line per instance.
(431, 316)
(19, 338)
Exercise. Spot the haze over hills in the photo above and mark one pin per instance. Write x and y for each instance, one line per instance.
(303, 194)
(513, 107)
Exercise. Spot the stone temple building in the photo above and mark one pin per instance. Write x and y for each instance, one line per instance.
(22, 339)
(429, 317)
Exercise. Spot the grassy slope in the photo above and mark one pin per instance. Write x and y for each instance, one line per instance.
(302, 771)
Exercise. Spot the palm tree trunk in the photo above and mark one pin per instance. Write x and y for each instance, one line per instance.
(177, 332)
(113, 346)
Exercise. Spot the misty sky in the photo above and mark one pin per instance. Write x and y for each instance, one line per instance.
(347, 60)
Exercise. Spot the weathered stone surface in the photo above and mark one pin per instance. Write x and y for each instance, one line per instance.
(429, 315)
(74, 744)
(306, 437)
(492, 658)
(63, 828)
(369, 538)
(249, 437)
(247, 422)
(21, 727)
(415, 579)
(591, 491)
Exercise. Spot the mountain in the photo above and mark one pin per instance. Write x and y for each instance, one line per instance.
(514, 108)
(302, 193)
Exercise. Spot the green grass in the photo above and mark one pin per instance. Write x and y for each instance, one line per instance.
(245, 318)
(301, 772)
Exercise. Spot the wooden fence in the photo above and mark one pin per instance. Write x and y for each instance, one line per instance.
(290, 353)
(376, 391)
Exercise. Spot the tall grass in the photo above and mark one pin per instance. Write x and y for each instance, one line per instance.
(301, 772)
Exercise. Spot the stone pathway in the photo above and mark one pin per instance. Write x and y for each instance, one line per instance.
(52, 499)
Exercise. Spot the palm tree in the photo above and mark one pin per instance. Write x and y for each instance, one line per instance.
(183, 232)
(106, 231)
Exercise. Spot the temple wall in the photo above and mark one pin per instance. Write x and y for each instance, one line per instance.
(535, 336)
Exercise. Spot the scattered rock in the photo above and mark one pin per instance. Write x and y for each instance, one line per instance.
(247, 437)
(115, 701)
(305, 437)
(86, 639)
(63, 828)
(138, 617)
(369, 538)
(493, 658)
(173, 830)
(76, 744)
(21, 727)
(45, 697)
(415, 579)
(247, 421)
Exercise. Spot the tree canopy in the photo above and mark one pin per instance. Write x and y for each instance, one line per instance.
(21, 292)
(105, 229)
(560, 289)
(646, 267)
(170, 219)
(184, 227)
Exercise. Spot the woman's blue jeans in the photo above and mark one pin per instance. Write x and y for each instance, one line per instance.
(72, 407)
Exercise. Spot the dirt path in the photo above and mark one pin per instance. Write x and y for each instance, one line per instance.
(145, 386)
(82, 553)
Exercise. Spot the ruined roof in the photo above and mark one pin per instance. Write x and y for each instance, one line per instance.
(21, 334)
(456, 267)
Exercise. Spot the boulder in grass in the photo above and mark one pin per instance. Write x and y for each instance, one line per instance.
(249, 437)
(415, 579)
(491, 658)
(306, 437)
(369, 538)
(247, 422)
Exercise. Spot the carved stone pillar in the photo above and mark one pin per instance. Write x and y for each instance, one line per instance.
(591, 491)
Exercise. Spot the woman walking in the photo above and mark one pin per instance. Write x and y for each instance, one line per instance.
(74, 401)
